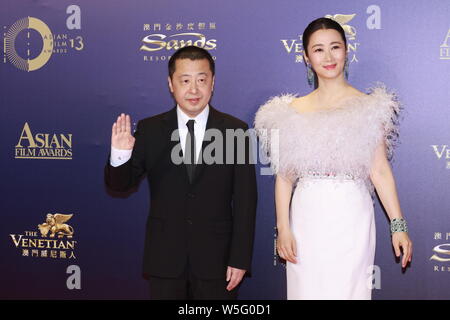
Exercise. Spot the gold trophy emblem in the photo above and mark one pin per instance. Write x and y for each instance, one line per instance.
(55, 224)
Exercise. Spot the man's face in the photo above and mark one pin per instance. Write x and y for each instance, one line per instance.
(192, 85)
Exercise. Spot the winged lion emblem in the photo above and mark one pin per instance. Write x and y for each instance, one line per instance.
(55, 225)
(343, 19)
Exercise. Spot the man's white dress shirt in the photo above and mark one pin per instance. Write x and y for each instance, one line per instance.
(119, 157)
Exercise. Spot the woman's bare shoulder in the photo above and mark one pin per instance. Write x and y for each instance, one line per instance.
(301, 103)
(357, 93)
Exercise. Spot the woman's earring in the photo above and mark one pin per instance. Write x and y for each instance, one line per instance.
(310, 75)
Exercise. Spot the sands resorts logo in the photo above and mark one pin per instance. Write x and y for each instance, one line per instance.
(441, 252)
(166, 38)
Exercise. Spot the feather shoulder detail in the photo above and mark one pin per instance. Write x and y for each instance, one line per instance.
(341, 139)
(272, 113)
(387, 109)
(269, 119)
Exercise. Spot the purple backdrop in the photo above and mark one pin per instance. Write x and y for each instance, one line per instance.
(58, 113)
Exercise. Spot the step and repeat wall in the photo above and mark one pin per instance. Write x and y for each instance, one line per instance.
(69, 68)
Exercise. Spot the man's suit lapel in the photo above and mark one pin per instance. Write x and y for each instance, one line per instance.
(170, 121)
(170, 124)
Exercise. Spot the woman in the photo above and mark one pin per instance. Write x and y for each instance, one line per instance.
(331, 152)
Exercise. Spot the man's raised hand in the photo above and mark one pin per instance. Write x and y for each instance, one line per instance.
(121, 137)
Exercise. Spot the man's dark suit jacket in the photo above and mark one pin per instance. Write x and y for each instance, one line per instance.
(210, 222)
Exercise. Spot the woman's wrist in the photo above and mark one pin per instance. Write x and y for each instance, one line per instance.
(398, 225)
(283, 227)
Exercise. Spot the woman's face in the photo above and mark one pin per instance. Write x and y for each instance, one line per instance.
(326, 53)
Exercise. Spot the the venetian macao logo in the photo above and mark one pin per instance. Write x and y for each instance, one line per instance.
(55, 225)
(343, 20)
(295, 46)
(167, 38)
(442, 152)
(52, 238)
(43, 145)
(29, 43)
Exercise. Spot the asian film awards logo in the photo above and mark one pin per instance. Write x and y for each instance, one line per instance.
(43, 145)
(166, 38)
(29, 43)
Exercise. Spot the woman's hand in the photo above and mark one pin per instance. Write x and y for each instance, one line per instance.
(401, 240)
(286, 245)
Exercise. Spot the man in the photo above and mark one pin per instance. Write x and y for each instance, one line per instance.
(200, 228)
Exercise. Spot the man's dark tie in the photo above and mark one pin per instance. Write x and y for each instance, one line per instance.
(189, 150)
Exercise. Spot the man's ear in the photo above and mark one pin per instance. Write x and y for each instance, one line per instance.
(169, 80)
(213, 81)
